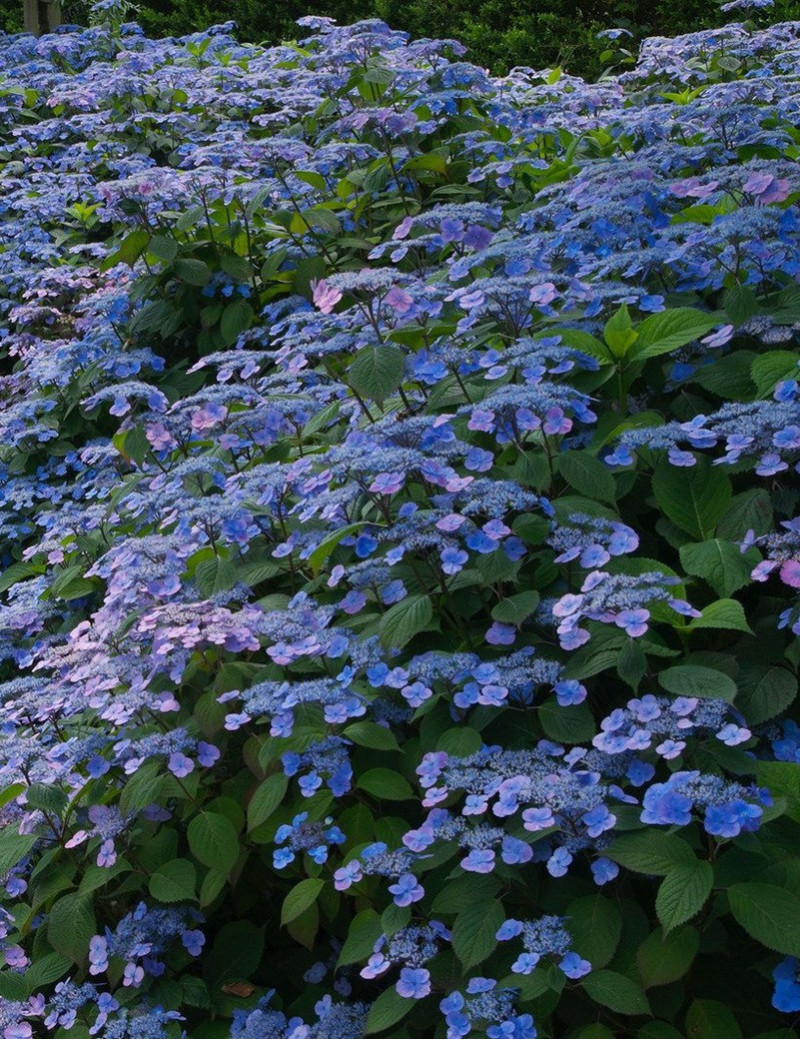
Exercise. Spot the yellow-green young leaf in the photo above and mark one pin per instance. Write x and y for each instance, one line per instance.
(475, 931)
(769, 913)
(266, 799)
(619, 333)
(301, 897)
(683, 892)
(213, 840)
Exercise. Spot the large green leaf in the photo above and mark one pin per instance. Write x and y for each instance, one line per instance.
(616, 991)
(683, 892)
(213, 840)
(70, 925)
(692, 680)
(595, 925)
(664, 958)
(302, 896)
(174, 881)
(693, 497)
(769, 913)
(376, 372)
(651, 852)
(404, 620)
(475, 931)
(722, 564)
(670, 329)
(266, 799)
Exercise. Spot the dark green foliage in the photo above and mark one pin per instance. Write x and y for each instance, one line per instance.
(498, 34)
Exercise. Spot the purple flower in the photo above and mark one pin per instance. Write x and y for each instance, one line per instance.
(407, 890)
(414, 983)
(479, 861)
(179, 765)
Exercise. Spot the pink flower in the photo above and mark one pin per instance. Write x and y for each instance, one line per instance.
(790, 573)
(325, 296)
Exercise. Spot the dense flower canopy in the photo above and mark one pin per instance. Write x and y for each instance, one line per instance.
(399, 538)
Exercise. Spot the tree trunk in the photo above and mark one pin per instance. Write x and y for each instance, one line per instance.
(42, 16)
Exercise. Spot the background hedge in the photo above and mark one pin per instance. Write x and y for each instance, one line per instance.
(498, 33)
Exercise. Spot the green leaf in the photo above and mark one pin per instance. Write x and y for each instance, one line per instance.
(236, 953)
(764, 691)
(174, 881)
(751, 510)
(236, 319)
(132, 247)
(693, 497)
(48, 969)
(664, 958)
(164, 247)
(709, 1018)
(386, 784)
(475, 931)
(587, 474)
(616, 991)
(376, 372)
(463, 892)
(215, 575)
(683, 892)
(370, 734)
(143, 788)
(669, 330)
(771, 915)
(650, 852)
(619, 333)
(70, 925)
(211, 886)
(721, 564)
(387, 1010)
(595, 924)
(723, 613)
(364, 931)
(515, 609)
(213, 840)
(193, 272)
(404, 620)
(14, 847)
(327, 545)
(772, 368)
(301, 897)
(691, 680)
(783, 780)
(266, 798)
(571, 724)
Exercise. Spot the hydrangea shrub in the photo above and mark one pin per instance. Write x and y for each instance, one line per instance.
(400, 551)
